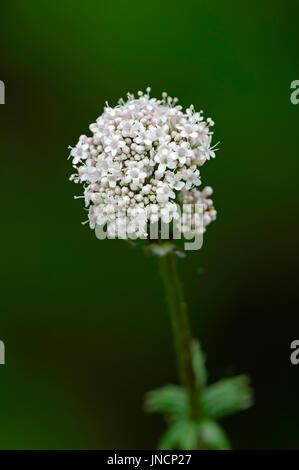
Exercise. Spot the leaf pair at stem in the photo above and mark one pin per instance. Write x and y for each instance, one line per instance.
(215, 401)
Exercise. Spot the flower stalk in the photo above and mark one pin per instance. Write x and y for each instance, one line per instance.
(181, 330)
(139, 168)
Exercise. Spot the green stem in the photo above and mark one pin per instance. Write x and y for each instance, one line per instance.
(181, 329)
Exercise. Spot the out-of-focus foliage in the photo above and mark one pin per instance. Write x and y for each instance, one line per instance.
(219, 399)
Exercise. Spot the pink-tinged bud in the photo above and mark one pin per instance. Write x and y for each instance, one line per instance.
(207, 191)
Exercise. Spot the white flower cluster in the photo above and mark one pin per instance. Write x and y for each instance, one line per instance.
(197, 220)
(142, 162)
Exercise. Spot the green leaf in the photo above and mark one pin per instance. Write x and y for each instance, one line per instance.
(190, 435)
(171, 400)
(227, 396)
(198, 360)
(180, 435)
(189, 439)
(212, 436)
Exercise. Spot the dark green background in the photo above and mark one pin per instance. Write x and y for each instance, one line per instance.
(84, 321)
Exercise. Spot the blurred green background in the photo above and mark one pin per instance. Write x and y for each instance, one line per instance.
(84, 321)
